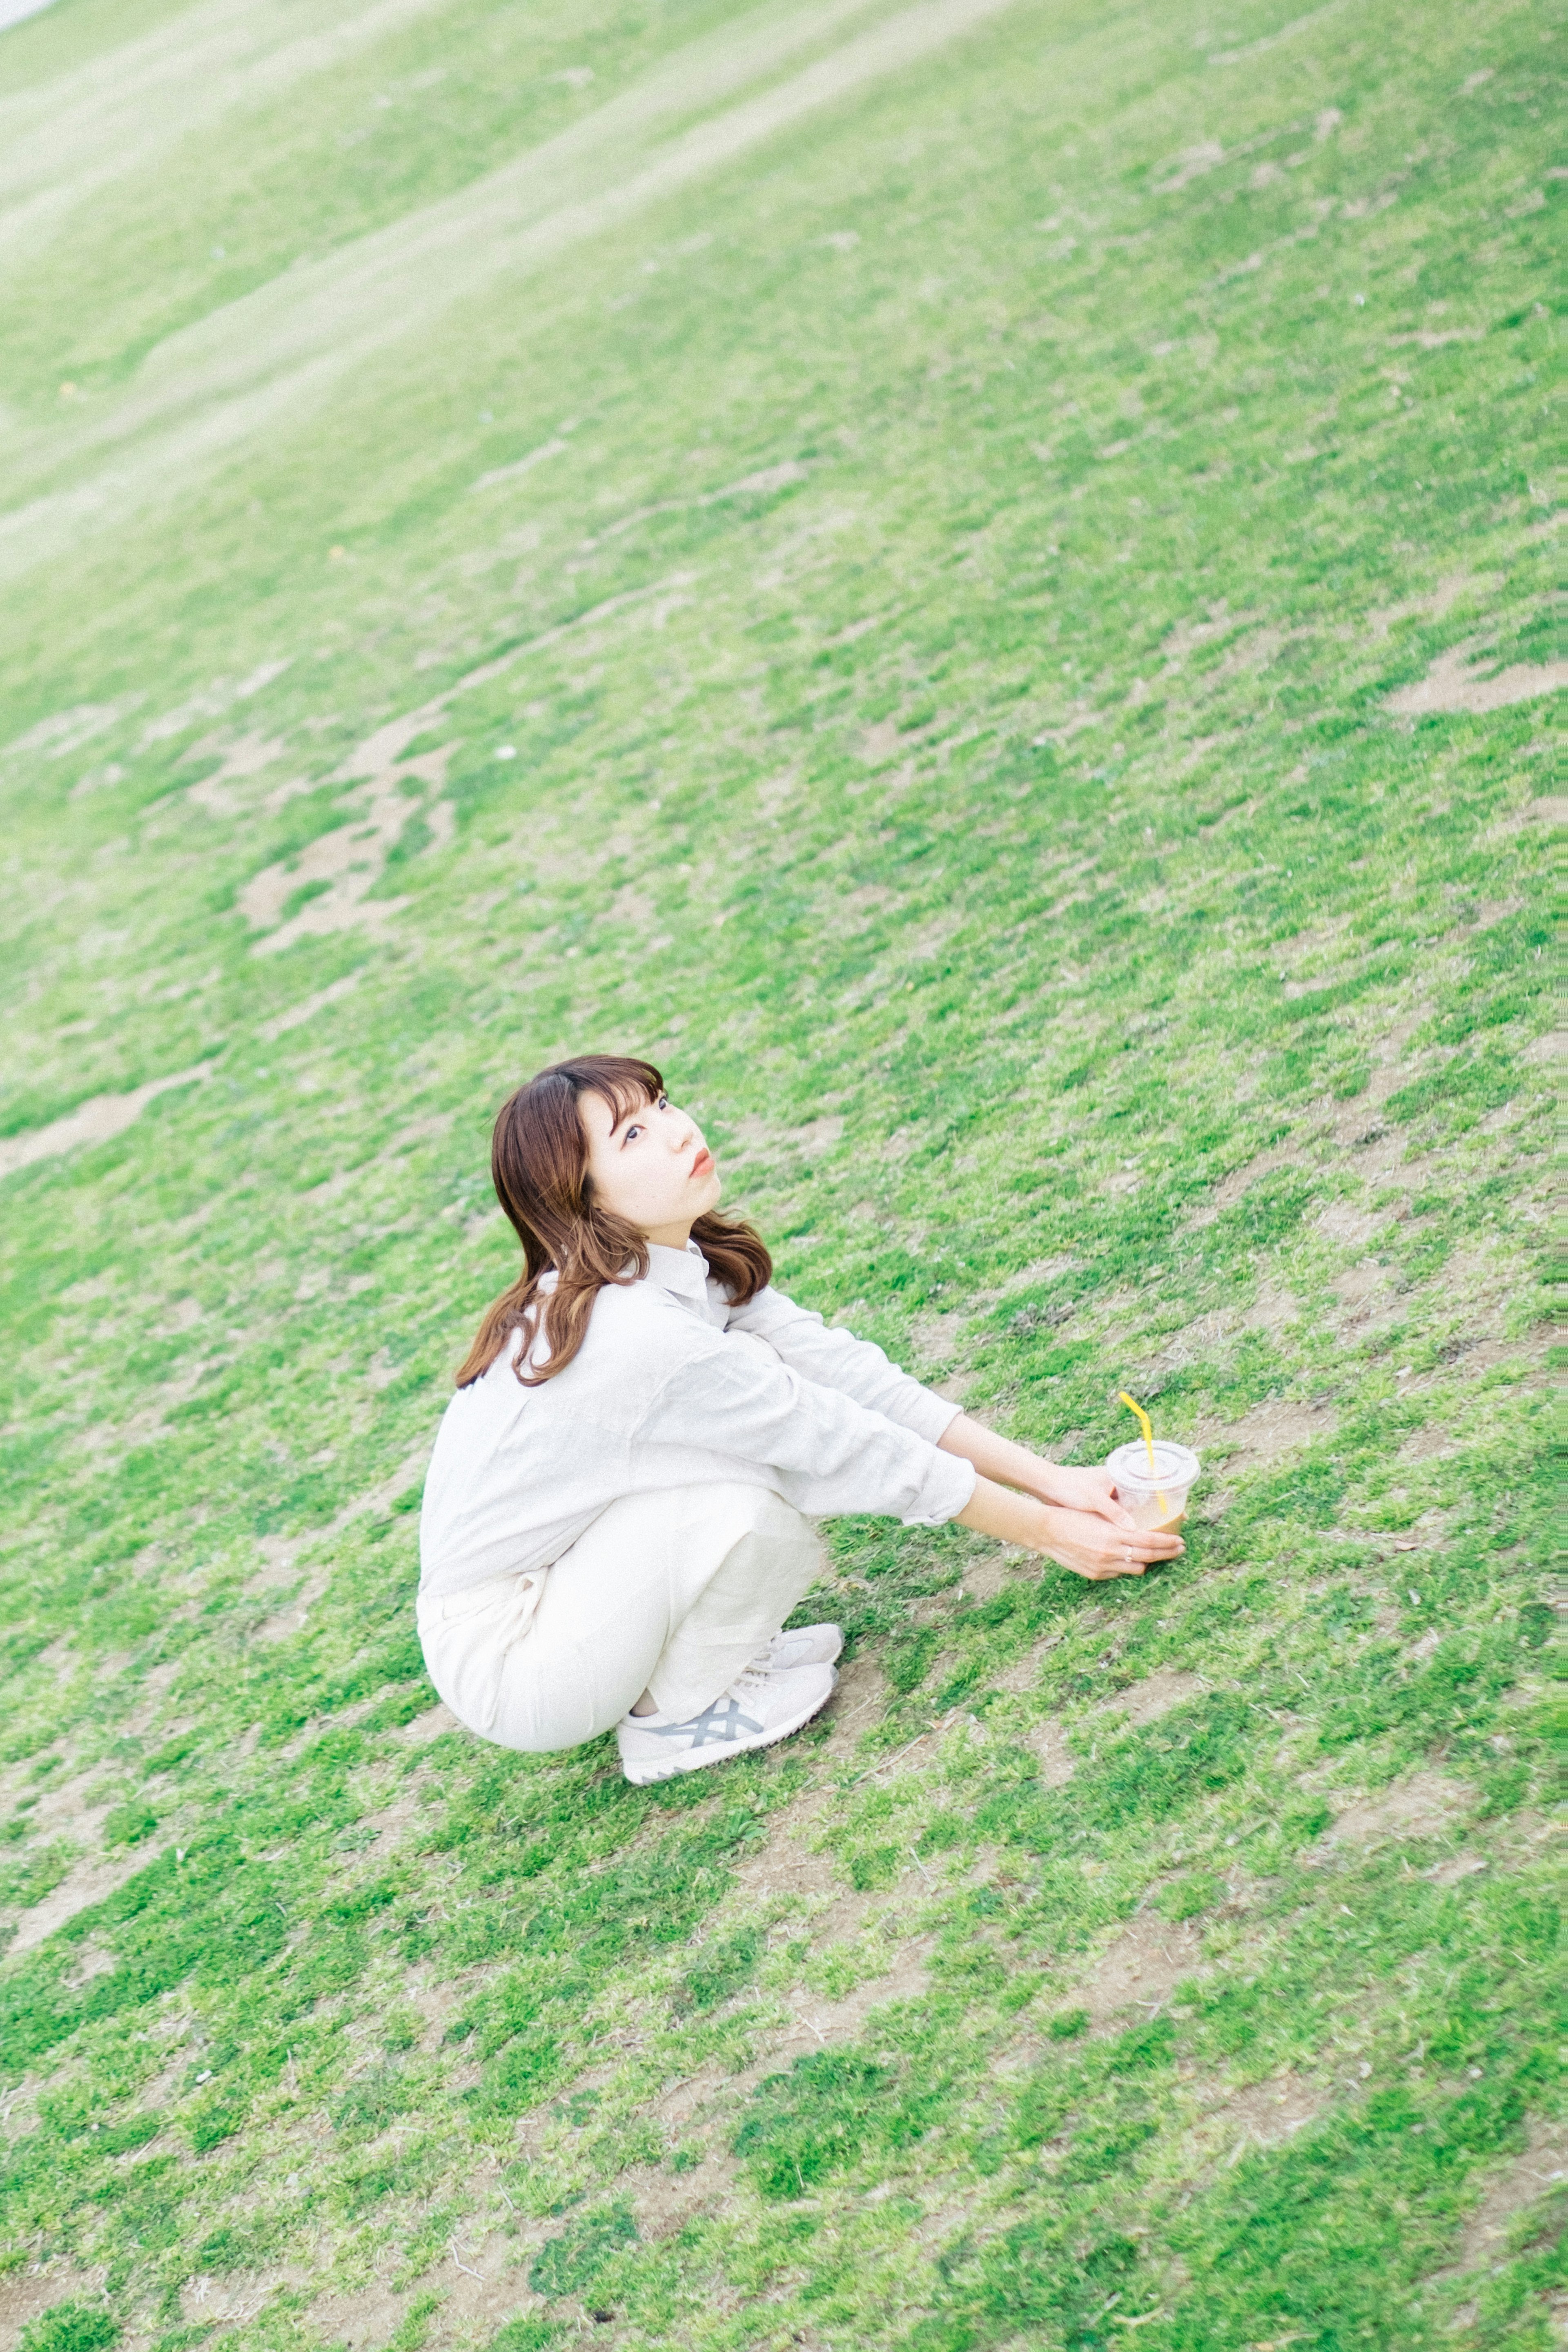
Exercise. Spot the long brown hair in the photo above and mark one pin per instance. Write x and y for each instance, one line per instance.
(539, 1164)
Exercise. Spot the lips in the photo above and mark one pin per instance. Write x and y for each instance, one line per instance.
(703, 1163)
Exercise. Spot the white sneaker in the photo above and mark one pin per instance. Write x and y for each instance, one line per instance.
(762, 1705)
(802, 1645)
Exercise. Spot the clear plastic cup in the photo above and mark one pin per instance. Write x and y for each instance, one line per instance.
(1157, 1499)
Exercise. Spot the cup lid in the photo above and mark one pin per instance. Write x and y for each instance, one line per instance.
(1174, 1466)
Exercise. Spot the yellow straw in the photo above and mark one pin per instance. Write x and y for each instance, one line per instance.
(1133, 1406)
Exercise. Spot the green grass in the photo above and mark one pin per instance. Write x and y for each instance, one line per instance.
(948, 682)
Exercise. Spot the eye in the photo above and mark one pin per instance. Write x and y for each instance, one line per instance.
(663, 1103)
(630, 1132)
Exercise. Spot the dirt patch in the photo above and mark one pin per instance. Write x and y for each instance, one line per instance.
(437, 2002)
(307, 1009)
(707, 2101)
(233, 2300)
(98, 1120)
(1421, 1805)
(1551, 809)
(1271, 1430)
(679, 2101)
(92, 1960)
(861, 1697)
(434, 1724)
(339, 867)
(27, 2294)
(1140, 1970)
(1485, 1354)
(361, 2320)
(1230, 1188)
(408, 1810)
(1456, 1867)
(1040, 1269)
(760, 1138)
(1360, 1290)
(663, 2202)
(1024, 1672)
(710, 2102)
(1197, 1341)
(92, 1881)
(992, 1573)
(1480, 1283)
(1512, 2189)
(19, 2113)
(74, 1809)
(1432, 1444)
(1272, 1309)
(819, 2022)
(936, 1339)
(1058, 1762)
(785, 1869)
(1354, 1124)
(247, 757)
(1343, 1222)
(1455, 584)
(1186, 637)
(478, 2279)
(1456, 681)
(1155, 1695)
(1261, 2114)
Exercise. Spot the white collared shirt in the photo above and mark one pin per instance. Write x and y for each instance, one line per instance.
(674, 1387)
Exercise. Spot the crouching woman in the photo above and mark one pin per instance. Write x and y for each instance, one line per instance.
(617, 1517)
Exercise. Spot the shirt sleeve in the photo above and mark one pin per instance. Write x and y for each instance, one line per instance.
(824, 1452)
(837, 1360)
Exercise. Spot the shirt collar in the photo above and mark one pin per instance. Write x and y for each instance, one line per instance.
(683, 1271)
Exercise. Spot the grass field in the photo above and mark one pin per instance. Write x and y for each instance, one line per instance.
(972, 578)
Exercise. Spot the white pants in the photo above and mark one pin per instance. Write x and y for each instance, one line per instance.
(670, 1593)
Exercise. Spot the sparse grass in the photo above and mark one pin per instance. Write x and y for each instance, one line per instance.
(955, 663)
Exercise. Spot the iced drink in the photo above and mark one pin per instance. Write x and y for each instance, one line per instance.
(1157, 1498)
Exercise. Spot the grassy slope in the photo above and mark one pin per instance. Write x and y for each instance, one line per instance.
(998, 823)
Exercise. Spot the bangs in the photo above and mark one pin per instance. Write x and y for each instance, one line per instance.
(623, 1084)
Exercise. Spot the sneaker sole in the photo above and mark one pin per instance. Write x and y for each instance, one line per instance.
(644, 1775)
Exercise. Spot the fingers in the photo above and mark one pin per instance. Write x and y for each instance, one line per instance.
(1099, 1554)
(1132, 1560)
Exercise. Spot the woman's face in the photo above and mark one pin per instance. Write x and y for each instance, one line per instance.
(652, 1167)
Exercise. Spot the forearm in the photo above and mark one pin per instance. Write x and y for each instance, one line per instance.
(1020, 1519)
(1089, 1545)
(1011, 1518)
(999, 1460)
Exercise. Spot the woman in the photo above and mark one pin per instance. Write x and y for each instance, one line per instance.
(616, 1517)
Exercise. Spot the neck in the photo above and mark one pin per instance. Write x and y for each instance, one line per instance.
(670, 1236)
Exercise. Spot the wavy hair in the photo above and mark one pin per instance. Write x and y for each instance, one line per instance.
(539, 1164)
